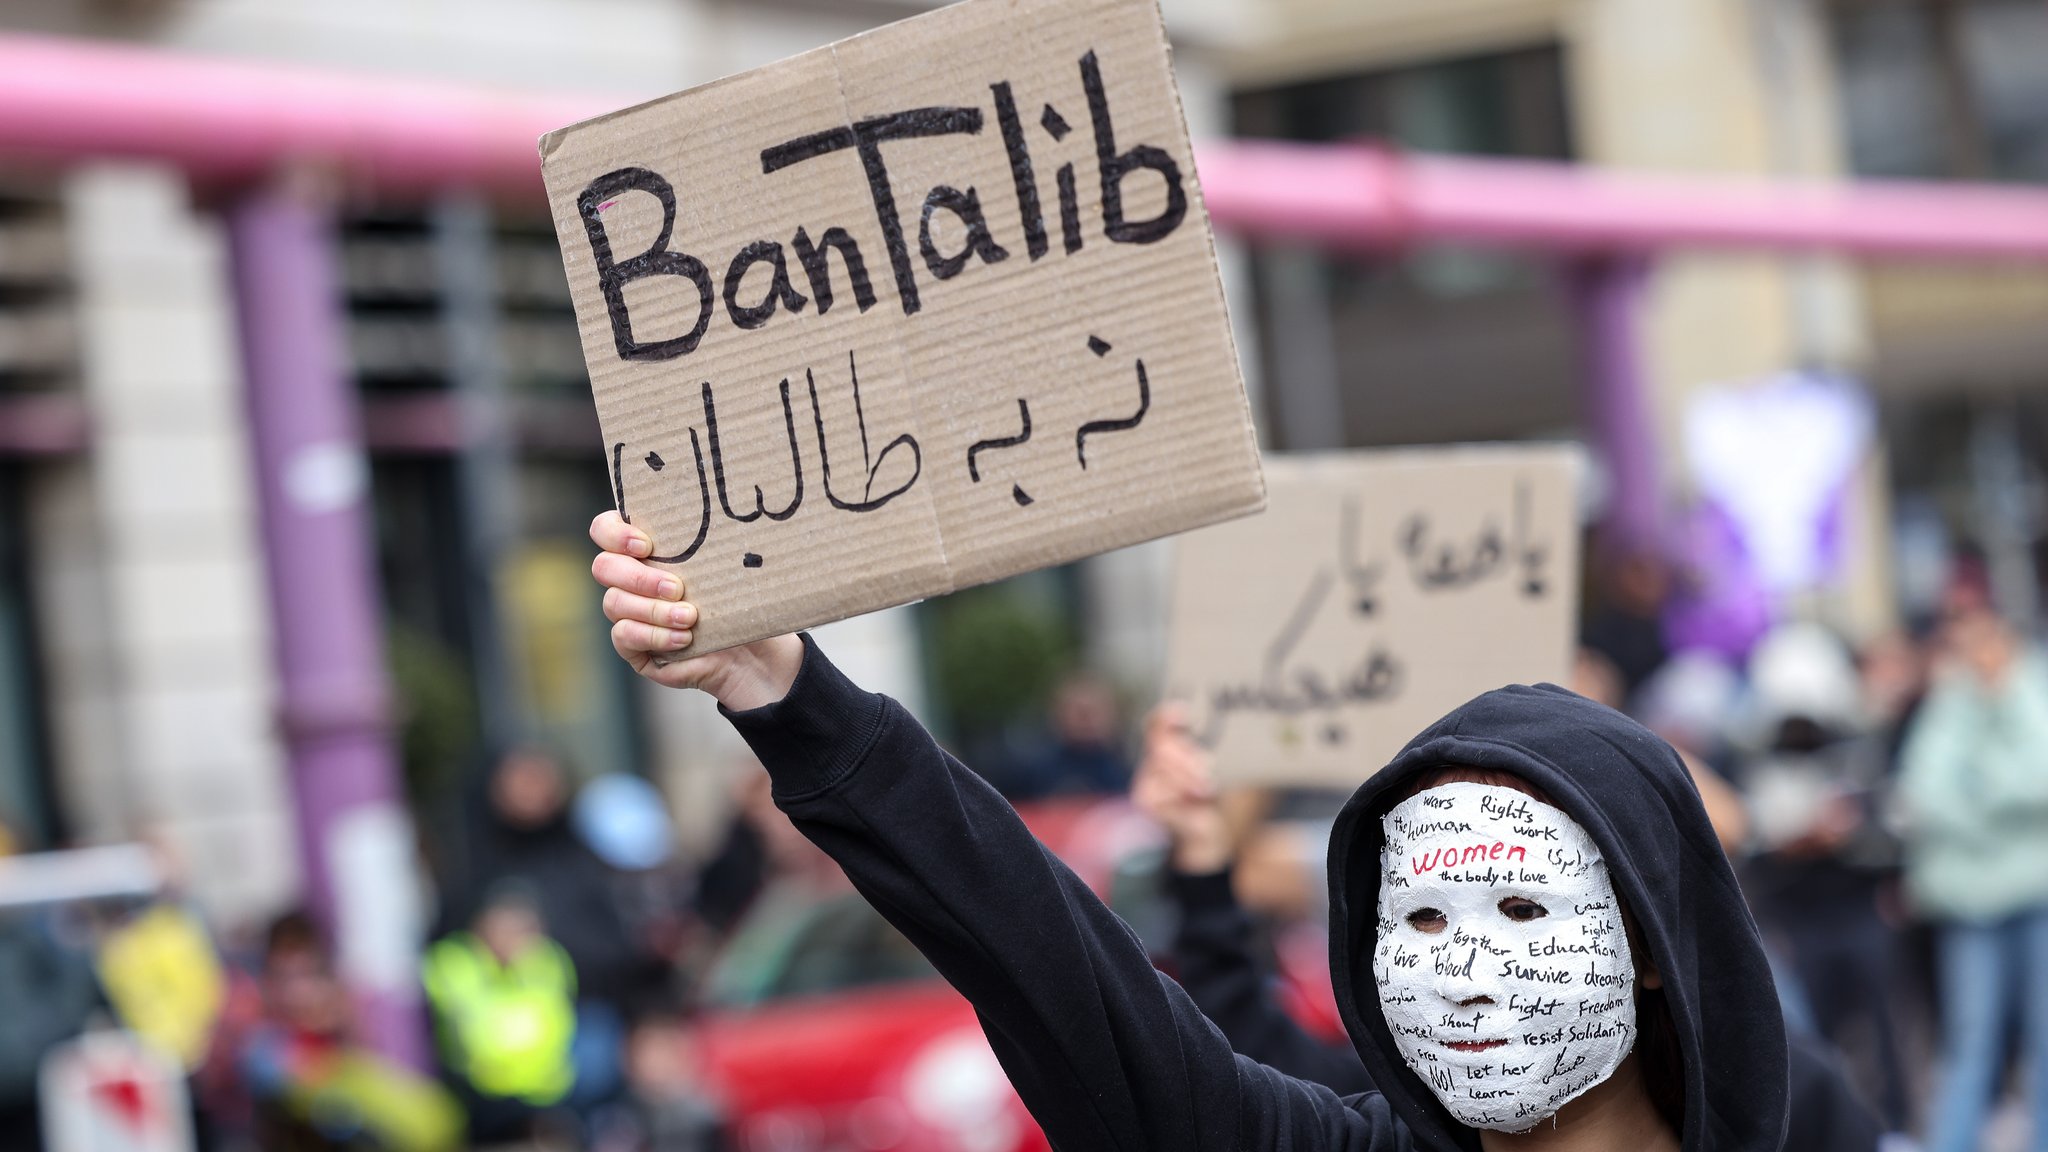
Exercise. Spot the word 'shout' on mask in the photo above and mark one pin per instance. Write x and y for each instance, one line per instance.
(1503, 969)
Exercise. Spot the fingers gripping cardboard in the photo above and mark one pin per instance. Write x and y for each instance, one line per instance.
(918, 310)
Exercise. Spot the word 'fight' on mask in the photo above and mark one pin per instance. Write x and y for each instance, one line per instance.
(1503, 968)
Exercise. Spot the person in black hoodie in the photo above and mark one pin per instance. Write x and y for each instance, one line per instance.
(1108, 1053)
(1214, 959)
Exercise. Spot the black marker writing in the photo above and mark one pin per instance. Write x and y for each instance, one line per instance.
(1101, 347)
(614, 275)
(1290, 691)
(796, 462)
(818, 268)
(1020, 169)
(980, 243)
(1115, 166)
(943, 260)
(1070, 210)
(1055, 126)
(1017, 492)
(1437, 565)
(780, 290)
(1533, 554)
(1364, 578)
(655, 463)
(871, 463)
(867, 138)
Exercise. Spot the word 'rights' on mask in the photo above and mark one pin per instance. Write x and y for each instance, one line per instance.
(1502, 966)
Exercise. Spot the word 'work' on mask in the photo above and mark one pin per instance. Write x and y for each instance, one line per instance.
(1502, 966)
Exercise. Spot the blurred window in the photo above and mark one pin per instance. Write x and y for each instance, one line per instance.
(394, 290)
(23, 795)
(38, 358)
(487, 458)
(1496, 104)
(1944, 88)
(1485, 327)
(38, 327)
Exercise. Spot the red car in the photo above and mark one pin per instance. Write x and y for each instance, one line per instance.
(827, 1031)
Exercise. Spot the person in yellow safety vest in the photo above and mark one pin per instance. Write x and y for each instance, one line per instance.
(504, 1000)
(165, 980)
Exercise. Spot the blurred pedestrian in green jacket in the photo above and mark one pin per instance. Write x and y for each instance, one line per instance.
(1974, 782)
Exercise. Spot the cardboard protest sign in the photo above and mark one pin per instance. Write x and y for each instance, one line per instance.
(918, 310)
(1379, 591)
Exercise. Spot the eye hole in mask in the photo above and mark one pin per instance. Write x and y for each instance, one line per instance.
(1516, 908)
(1427, 920)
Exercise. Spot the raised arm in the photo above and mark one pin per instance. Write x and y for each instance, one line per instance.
(1212, 949)
(1212, 953)
(1106, 1052)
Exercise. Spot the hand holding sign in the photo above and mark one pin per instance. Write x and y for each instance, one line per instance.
(822, 304)
(652, 624)
(1174, 787)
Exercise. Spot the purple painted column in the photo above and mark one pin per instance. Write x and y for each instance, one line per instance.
(355, 841)
(1607, 298)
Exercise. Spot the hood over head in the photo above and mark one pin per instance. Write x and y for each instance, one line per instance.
(1637, 801)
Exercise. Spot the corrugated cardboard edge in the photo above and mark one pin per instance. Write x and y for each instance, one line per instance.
(550, 142)
(1320, 466)
(1306, 464)
(1478, 451)
(1201, 204)
(1201, 197)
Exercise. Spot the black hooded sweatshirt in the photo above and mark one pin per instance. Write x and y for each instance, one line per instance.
(1110, 1054)
(1213, 960)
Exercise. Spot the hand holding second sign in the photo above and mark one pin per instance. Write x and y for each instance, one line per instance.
(652, 625)
(1173, 786)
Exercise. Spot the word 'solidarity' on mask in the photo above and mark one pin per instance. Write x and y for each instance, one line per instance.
(1503, 969)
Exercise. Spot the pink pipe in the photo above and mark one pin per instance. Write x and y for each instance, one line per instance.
(236, 120)
(1358, 196)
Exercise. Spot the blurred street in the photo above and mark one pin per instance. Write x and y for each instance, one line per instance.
(329, 819)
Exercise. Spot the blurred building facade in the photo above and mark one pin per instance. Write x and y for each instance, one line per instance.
(1927, 90)
(137, 695)
(126, 467)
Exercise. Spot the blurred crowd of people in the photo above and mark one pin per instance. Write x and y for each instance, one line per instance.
(570, 942)
(556, 983)
(1886, 806)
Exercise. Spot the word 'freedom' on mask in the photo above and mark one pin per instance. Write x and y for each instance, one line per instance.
(1502, 967)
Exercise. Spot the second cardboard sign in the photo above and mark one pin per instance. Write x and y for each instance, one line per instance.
(1379, 591)
(919, 310)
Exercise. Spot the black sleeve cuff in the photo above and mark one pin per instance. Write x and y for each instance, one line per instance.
(1202, 891)
(813, 737)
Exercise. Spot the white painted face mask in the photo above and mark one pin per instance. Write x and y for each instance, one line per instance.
(1502, 965)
